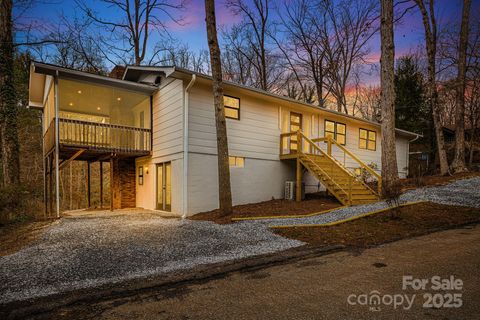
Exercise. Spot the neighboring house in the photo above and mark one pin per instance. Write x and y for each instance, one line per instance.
(156, 127)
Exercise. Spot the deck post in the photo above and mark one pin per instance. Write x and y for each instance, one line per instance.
(111, 183)
(298, 197)
(71, 188)
(45, 185)
(101, 184)
(89, 195)
(50, 182)
(57, 147)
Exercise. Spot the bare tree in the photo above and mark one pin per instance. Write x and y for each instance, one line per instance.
(236, 66)
(430, 26)
(128, 36)
(369, 102)
(389, 158)
(458, 164)
(352, 25)
(302, 47)
(224, 190)
(8, 105)
(181, 55)
(251, 38)
(472, 112)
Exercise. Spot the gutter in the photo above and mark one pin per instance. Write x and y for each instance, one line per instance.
(185, 145)
(408, 152)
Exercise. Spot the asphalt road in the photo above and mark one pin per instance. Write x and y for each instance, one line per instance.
(321, 287)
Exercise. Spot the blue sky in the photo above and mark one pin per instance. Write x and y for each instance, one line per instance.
(408, 34)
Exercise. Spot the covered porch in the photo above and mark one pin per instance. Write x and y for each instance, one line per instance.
(94, 119)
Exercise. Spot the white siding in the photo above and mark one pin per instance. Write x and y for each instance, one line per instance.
(146, 193)
(402, 156)
(255, 135)
(168, 120)
(167, 145)
(259, 180)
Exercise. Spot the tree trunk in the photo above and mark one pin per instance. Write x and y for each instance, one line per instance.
(224, 190)
(8, 107)
(472, 146)
(389, 156)
(430, 26)
(458, 164)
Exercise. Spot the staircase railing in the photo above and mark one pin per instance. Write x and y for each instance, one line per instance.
(316, 150)
(332, 142)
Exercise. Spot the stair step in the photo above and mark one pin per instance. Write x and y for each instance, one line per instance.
(361, 191)
(357, 202)
(340, 183)
(364, 197)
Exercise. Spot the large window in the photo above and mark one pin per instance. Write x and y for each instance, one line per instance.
(232, 107)
(368, 139)
(336, 130)
(91, 102)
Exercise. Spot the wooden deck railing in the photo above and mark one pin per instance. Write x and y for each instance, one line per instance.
(373, 176)
(292, 142)
(104, 136)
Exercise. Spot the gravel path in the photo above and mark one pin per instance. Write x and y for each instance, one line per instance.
(461, 192)
(88, 251)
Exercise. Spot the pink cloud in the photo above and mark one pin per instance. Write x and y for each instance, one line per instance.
(194, 17)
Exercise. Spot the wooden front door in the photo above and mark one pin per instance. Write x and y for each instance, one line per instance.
(164, 186)
(295, 125)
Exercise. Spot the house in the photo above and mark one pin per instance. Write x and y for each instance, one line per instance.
(156, 128)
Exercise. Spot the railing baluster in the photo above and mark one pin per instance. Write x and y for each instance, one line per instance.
(100, 135)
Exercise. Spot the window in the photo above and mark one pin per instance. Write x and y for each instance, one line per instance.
(368, 140)
(336, 130)
(236, 161)
(140, 175)
(232, 107)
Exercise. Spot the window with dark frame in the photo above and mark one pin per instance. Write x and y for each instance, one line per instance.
(367, 139)
(232, 107)
(140, 175)
(336, 130)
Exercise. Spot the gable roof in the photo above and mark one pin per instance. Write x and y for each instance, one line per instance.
(132, 73)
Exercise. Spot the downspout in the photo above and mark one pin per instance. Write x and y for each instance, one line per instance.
(408, 153)
(185, 145)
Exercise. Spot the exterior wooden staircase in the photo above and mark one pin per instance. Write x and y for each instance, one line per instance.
(348, 187)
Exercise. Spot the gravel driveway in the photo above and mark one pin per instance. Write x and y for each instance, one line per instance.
(91, 249)
(461, 193)
(88, 251)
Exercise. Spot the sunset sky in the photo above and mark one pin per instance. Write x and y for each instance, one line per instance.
(408, 33)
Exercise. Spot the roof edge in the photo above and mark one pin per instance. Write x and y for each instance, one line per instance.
(50, 69)
(288, 99)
